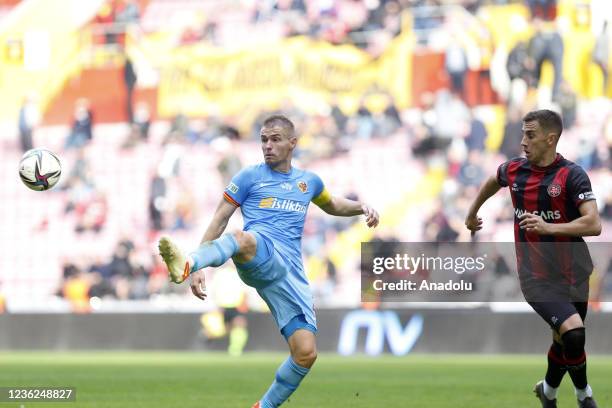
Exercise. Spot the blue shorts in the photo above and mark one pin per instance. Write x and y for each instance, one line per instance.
(298, 322)
(287, 295)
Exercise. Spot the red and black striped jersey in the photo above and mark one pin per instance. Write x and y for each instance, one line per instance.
(555, 193)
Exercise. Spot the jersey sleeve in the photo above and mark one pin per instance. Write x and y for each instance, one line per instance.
(238, 188)
(320, 194)
(579, 186)
(502, 174)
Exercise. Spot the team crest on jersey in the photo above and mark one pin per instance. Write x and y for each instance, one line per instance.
(302, 186)
(554, 190)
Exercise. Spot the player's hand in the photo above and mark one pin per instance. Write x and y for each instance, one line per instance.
(198, 284)
(473, 222)
(534, 223)
(371, 216)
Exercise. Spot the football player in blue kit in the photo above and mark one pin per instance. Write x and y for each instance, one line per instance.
(273, 197)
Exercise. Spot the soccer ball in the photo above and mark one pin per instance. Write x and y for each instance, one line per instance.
(39, 169)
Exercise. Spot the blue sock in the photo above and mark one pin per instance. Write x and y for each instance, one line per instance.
(288, 377)
(214, 253)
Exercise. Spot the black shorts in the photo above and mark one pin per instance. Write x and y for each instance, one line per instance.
(230, 314)
(556, 303)
(555, 313)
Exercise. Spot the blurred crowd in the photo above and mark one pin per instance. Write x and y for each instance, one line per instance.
(443, 130)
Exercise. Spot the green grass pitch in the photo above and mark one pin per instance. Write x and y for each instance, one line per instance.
(208, 380)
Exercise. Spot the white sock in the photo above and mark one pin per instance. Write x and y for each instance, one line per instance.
(550, 392)
(582, 394)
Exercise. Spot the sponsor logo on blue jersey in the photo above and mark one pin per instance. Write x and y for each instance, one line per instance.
(282, 204)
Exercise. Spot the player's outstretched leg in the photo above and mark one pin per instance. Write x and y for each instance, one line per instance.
(213, 253)
(176, 261)
(575, 357)
(293, 370)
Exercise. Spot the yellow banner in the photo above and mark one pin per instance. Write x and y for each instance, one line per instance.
(40, 43)
(200, 80)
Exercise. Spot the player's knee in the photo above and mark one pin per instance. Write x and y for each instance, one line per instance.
(306, 359)
(573, 343)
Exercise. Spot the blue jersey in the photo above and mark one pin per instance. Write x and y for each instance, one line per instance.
(275, 205)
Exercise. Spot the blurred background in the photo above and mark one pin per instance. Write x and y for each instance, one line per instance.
(152, 106)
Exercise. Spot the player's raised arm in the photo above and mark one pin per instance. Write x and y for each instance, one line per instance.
(344, 207)
(217, 225)
(472, 221)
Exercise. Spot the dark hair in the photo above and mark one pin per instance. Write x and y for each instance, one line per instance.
(281, 121)
(549, 121)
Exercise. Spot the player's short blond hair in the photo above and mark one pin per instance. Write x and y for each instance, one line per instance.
(281, 121)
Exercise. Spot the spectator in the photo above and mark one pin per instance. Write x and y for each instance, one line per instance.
(100, 287)
(82, 125)
(515, 64)
(230, 162)
(477, 135)
(129, 80)
(120, 265)
(75, 288)
(139, 281)
(471, 172)
(29, 117)
(438, 228)
(518, 72)
(364, 121)
(453, 116)
(179, 128)
(546, 45)
(601, 54)
(81, 170)
(511, 143)
(456, 65)
(339, 117)
(389, 121)
(157, 202)
(568, 102)
(183, 208)
(133, 138)
(543, 9)
(424, 140)
(142, 119)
